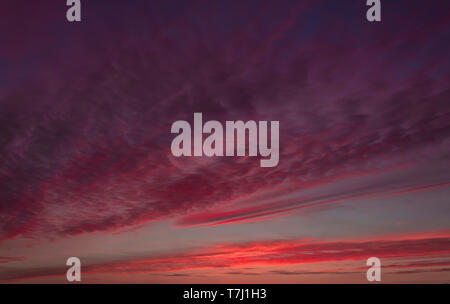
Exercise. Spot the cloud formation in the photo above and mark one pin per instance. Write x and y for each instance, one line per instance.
(236, 258)
(85, 142)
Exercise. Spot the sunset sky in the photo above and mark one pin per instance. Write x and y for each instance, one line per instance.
(86, 168)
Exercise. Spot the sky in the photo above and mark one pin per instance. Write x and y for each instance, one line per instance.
(86, 168)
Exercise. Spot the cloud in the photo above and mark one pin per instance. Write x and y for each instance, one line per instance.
(286, 207)
(85, 142)
(238, 257)
(4, 259)
(422, 271)
(283, 272)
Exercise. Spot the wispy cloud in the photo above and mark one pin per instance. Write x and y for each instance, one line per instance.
(85, 135)
(258, 255)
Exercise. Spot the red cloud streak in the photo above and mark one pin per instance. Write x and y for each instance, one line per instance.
(272, 253)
